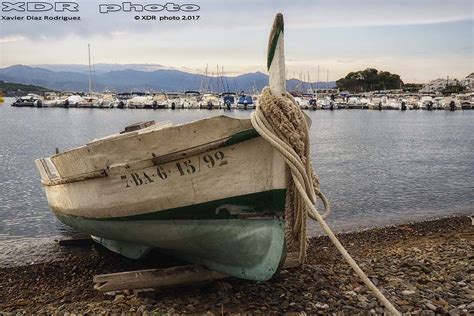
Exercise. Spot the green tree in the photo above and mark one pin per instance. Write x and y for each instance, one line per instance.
(456, 88)
(369, 79)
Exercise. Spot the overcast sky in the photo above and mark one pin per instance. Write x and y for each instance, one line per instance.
(420, 40)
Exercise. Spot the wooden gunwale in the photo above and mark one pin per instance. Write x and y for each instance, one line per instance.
(145, 163)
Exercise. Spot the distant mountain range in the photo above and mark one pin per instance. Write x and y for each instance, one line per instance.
(102, 67)
(138, 77)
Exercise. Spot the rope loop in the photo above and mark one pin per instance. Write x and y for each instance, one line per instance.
(280, 121)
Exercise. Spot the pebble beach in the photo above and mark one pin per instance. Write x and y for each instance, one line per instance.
(423, 268)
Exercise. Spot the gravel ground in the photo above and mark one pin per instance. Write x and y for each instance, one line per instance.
(423, 268)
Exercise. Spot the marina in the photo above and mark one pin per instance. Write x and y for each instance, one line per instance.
(390, 100)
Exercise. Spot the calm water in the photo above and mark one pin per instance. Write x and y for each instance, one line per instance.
(377, 168)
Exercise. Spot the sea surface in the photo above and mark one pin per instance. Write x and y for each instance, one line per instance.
(376, 168)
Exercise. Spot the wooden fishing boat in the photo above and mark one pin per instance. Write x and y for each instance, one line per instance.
(211, 192)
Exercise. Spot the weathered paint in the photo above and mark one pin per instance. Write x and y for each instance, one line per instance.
(248, 249)
(252, 166)
(276, 57)
(172, 188)
(269, 204)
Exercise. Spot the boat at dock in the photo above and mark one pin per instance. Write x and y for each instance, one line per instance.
(173, 101)
(159, 101)
(107, 101)
(466, 100)
(326, 103)
(229, 100)
(191, 100)
(89, 101)
(210, 101)
(30, 100)
(245, 102)
(140, 101)
(50, 99)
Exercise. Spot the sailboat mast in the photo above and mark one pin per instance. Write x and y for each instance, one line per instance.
(327, 78)
(207, 80)
(217, 78)
(317, 84)
(90, 79)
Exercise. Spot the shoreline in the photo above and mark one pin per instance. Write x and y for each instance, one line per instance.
(421, 266)
(27, 250)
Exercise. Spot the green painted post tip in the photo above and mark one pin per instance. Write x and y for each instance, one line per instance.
(277, 29)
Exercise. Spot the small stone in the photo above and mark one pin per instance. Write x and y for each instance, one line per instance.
(362, 298)
(430, 306)
(454, 301)
(440, 310)
(324, 293)
(375, 281)
(119, 298)
(454, 311)
(408, 292)
(321, 305)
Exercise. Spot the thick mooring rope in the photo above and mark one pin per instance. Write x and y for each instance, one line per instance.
(282, 123)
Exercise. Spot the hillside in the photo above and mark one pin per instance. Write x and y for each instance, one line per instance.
(123, 80)
(10, 89)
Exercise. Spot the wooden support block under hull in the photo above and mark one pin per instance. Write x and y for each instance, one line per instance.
(155, 278)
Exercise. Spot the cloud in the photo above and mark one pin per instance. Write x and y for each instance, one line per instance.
(10, 39)
(245, 15)
(340, 35)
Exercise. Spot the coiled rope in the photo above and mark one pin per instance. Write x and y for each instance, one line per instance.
(282, 123)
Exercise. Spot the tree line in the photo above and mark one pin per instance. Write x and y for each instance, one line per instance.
(369, 79)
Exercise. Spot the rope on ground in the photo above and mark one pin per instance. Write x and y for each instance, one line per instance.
(282, 123)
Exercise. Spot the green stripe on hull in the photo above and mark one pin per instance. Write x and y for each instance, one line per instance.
(241, 137)
(262, 204)
(242, 236)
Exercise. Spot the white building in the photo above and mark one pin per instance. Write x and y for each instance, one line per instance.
(468, 82)
(438, 85)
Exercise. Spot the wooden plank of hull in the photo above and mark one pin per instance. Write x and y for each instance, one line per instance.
(150, 143)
